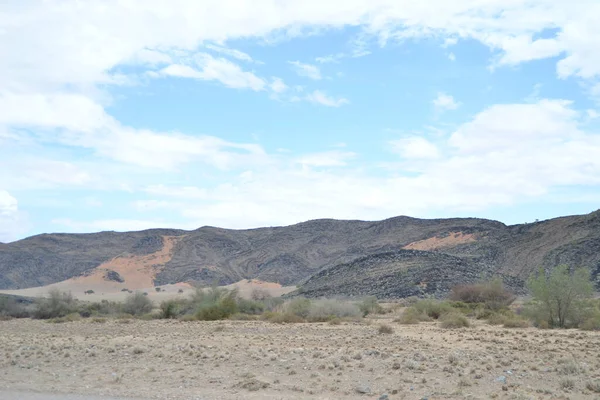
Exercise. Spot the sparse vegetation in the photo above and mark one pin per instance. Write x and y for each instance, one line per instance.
(492, 295)
(412, 315)
(561, 298)
(137, 304)
(454, 320)
(433, 308)
(56, 305)
(370, 305)
(385, 329)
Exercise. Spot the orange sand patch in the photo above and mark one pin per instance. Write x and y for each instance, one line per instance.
(433, 243)
(138, 272)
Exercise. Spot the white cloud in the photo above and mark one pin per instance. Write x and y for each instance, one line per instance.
(331, 58)
(334, 158)
(8, 204)
(544, 121)
(11, 221)
(119, 225)
(278, 86)
(151, 205)
(451, 41)
(415, 148)
(307, 70)
(504, 155)
(240, 55)
(218, 69)
(188, 192)
(451, 57)
(444, 101)
(322, 98)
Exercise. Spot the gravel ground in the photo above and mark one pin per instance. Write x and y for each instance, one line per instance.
(259, 360)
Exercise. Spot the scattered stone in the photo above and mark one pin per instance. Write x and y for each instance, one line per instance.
(363, 389)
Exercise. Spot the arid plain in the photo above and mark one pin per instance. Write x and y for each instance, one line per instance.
(170, 359)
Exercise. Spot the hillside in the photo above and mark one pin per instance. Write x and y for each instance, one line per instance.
(395, 257)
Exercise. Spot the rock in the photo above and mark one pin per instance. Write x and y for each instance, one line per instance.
(501, 379)
(363, 389)
(384, 397)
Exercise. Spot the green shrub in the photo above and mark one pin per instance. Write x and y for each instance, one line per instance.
(323, 310)
(299, 306)
(515, 323)
(370, 305)
(433, 308)
(244, 317)
(10, 308)
(222, 309)
(283, 318)
(250, 306)
(591, 324)
(56, 305)
(137, 304)
(104, 307)
(67, 318)
(454, 320)
(491, 294)
(169, 309)
(559, 297)
(412, 316)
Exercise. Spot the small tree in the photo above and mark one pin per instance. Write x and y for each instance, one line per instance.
(137, 304)
(557, 297)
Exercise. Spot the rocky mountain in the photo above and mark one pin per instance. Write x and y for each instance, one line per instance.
(392, 258)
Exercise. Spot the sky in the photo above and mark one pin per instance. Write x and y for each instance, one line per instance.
(129, 115)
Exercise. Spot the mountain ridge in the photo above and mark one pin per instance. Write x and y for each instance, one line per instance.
(302, 253)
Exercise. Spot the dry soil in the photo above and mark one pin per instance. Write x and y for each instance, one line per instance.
(260, 360)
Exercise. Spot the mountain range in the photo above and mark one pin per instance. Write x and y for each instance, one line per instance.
(397, 257)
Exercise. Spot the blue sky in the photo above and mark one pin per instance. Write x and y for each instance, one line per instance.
(244, 114)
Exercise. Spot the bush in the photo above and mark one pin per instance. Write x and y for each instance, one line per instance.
(57, 305)
(560, 297)
(250, 307)
(137, 304)
(10, 308)
(259, 294)
(591, 324)
(157, 289)
(385, 329)
(412, 316)
(324, 310)
(298, 306)
(454, 320)
(282, 318)
(491, 294)
(243, 317)
(370, 305)
(169, 309)
(103, 307)
(516, 323)
(433, 308)
(67, 318)
(222, 309)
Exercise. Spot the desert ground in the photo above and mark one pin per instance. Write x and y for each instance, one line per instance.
(112, 291)
(169, 359)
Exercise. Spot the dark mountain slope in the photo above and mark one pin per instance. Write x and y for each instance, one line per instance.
(390, 257)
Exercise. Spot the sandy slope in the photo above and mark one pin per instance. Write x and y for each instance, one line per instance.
(138, 273)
